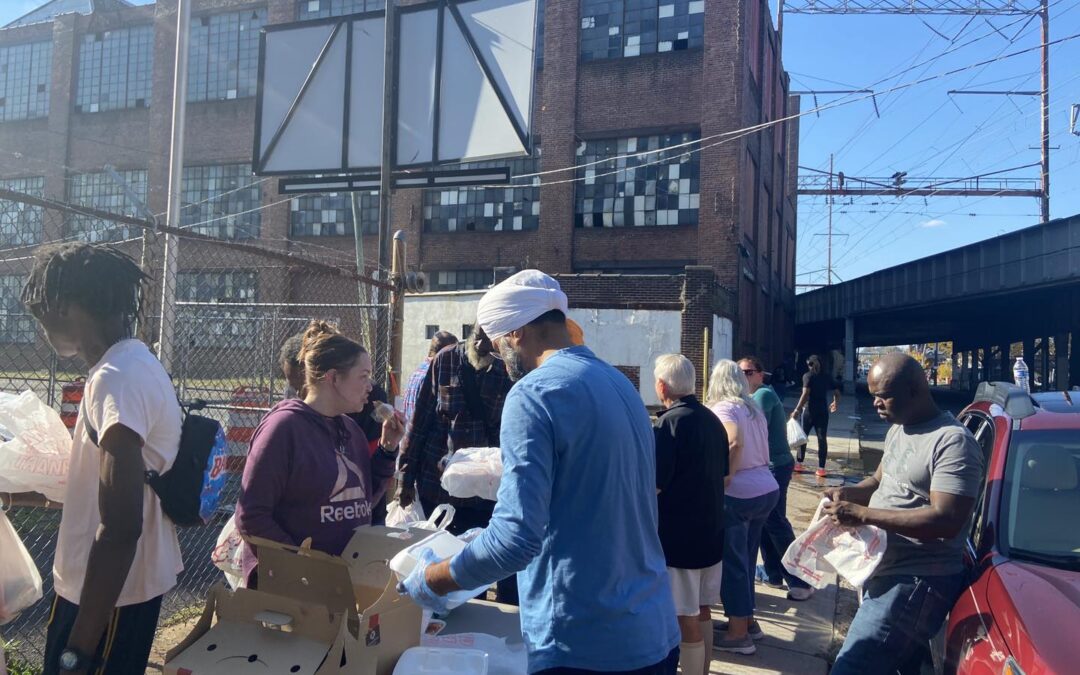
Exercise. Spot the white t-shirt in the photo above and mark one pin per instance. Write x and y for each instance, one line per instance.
(127, 386)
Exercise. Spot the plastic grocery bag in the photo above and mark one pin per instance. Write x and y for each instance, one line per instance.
(402, 516)
(228, 554)
(20, 582)
(852, 552)
(796, 437)
(36, 450)
(473, 472)
(440, 517)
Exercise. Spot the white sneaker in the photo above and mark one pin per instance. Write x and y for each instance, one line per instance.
(799, 594)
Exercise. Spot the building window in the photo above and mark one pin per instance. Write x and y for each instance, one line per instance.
(21, 224)
(329, 214)
(24, 81)
(460, 280)
(16, 324)
(204, 322)
(488, 209)
(115, 69)
(634, 190)
(224, 55)
(614, 28)
(317, 9)
(221, 201)
(100, 191)
(429, 331)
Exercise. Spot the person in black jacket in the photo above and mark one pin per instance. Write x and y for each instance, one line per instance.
(691, 463)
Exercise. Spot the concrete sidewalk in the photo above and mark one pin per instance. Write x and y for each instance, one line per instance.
(801, 637)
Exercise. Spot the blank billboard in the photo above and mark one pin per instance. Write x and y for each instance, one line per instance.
(464, 88)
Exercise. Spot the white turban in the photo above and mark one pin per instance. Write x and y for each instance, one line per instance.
(518, 300)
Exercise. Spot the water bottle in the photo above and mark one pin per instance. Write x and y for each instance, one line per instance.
(1020, 374)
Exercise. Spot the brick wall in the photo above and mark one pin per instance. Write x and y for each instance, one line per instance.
(705, 89)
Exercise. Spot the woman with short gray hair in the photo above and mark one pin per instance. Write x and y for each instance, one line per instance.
(750, 495)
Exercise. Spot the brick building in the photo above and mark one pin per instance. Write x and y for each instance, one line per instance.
(92, 87)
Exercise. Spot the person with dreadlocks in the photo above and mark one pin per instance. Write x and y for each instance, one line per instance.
(116, 554)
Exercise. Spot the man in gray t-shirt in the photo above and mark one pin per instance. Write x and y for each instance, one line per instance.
(938, 455)
(922, 496)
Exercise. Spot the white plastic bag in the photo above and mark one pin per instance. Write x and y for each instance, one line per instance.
(473, 472)
(852, 552)
(402, 516)
(20, 582)
(35, 453)
(228, 554)
(796, 437)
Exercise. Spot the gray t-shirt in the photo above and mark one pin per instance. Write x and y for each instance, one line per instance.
(939, 455)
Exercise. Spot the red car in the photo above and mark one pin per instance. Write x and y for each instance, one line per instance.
(1021, 612)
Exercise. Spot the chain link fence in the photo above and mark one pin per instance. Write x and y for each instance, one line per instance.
(236, 303)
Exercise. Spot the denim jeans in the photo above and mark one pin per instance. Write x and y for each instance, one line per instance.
(743, 521)
(777, 534)
(898, 616)
(669, 666)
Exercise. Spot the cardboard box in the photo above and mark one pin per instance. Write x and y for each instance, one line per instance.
(343, 615)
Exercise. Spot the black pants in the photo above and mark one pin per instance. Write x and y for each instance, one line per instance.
(124, 648)
(465, 519)
(818, 420)
(668, 666)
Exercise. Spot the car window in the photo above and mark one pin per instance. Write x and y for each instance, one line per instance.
(1042, 496)
(983, 430)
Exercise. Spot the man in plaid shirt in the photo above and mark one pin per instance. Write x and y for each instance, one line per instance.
(458, 406)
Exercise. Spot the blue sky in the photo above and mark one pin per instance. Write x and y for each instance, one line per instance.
(922, 130)
(926, 132)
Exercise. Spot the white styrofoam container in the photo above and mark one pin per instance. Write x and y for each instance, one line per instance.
(442, 661)
(444, 545)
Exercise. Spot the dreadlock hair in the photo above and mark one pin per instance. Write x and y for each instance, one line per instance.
(290, 352)
(101, 279)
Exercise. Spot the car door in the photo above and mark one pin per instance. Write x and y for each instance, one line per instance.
(962, 626)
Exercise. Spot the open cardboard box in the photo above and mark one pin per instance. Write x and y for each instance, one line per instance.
(314, 614)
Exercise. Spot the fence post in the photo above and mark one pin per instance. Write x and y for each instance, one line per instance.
(397, 304)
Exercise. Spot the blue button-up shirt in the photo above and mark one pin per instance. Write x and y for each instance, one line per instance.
(577, 516)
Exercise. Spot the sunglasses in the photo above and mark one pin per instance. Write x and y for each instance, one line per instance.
(748, 373)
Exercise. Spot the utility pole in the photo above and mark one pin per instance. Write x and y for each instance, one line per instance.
(386, 184)
(1044, 13)
(176, 170)
(828, 265)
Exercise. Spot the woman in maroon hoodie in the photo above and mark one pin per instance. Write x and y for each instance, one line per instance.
(309, 472)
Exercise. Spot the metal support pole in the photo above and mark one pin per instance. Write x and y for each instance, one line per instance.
(166, 335)
(389, 143)
(1044, 13)
(849, 356)
(707, 358)
(362, 289)
(1062, 380)
(397, 277)
(780, 24)
(828, 265)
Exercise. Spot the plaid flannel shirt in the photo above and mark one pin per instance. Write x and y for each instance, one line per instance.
(443, 421)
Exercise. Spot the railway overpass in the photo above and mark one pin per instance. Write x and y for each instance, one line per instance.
(1022, 287)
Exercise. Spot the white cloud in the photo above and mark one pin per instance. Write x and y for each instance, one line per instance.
(936, 222)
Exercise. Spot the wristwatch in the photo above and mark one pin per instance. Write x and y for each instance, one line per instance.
(72, 660)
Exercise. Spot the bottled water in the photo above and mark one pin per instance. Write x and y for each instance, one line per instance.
(1020, 374)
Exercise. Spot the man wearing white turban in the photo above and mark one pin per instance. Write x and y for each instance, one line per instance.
(576, 515)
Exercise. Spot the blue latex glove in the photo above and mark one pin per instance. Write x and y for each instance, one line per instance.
(416, 585)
